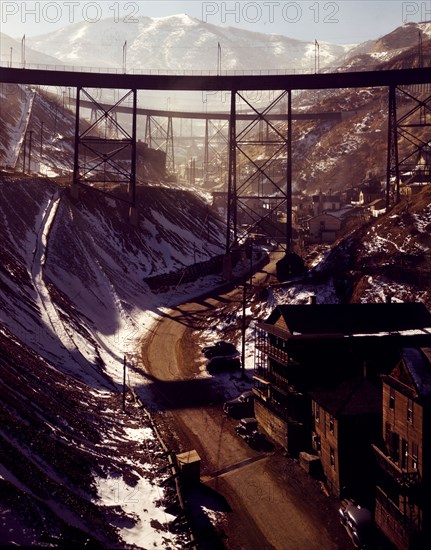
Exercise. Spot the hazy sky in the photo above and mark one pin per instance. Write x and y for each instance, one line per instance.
(342, 21)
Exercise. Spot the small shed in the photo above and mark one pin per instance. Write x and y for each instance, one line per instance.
(189, 465)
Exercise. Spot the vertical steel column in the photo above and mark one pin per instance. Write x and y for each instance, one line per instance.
(392, 167)
(289, 174)
(231, 191)
(76, 141)
(206, 151)
(148, 134)
(133, 155)
(170, 157)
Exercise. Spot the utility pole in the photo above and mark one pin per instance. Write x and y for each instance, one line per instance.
(41, 138)
(29, 151)
(24, 153)
(243, 326)
(23, 52)
(125, 57)
(124, 384)
(421, 59)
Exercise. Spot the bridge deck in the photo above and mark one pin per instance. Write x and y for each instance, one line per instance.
(363, 79)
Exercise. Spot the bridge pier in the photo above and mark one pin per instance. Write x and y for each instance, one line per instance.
(103, 162)
(260, 187)
(406, 136)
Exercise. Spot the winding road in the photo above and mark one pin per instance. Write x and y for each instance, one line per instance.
(272, 502)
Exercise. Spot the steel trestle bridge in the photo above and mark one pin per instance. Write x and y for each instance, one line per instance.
(242, 141)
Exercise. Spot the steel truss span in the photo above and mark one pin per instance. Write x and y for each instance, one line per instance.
(242, 188)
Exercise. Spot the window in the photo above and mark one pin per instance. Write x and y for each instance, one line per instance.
(415, 452)
(391, 398)
(315, 441)
(332, 456)
(331, 424)
(404, 453)
(395, 447)
(316, 412)
(410, 411)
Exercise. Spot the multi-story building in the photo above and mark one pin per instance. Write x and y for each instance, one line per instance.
(403, 503)
(346, 421)
(301, 348)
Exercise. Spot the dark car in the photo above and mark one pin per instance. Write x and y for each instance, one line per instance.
(247, 429)
(241, 406)
(220, 349)
(359, 525)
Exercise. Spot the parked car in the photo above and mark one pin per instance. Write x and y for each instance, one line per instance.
(359, 525)
(220, 349)
(248, 430)
(240, 407)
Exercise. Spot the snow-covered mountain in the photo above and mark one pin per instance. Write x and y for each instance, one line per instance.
(372, 53)
(180, 43)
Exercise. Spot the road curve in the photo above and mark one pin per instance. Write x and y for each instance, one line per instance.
(274, 504)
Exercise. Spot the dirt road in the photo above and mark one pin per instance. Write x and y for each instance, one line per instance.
(272, 503)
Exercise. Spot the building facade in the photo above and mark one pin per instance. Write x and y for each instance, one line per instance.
(346, 422)
(403, 508)
(301, 348)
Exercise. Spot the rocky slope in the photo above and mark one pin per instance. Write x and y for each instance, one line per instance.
(73, 304)
(387, 257)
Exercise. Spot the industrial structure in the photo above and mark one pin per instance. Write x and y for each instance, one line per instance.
(248, 177)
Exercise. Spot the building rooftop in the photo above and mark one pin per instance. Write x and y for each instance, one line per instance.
(352, 397)
(409, 319)
(417, 371)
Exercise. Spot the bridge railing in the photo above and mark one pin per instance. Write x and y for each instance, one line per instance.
(177, 72)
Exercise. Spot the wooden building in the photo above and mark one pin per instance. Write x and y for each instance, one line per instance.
(301, 348)
(323, 203)
(403, 502)
(323, 228)
(346, 422)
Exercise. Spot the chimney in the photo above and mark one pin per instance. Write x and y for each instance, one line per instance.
(389, 298)
(312, 300)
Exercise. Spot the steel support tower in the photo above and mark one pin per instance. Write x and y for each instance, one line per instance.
(105, 151)
(260, 171)
(409, 138)
(160, 136)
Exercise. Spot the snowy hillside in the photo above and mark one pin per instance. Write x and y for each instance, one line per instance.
(373, 53)
(43, 116)
(340, 154)
(179, 43)
(388, 256)
(73, 302)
